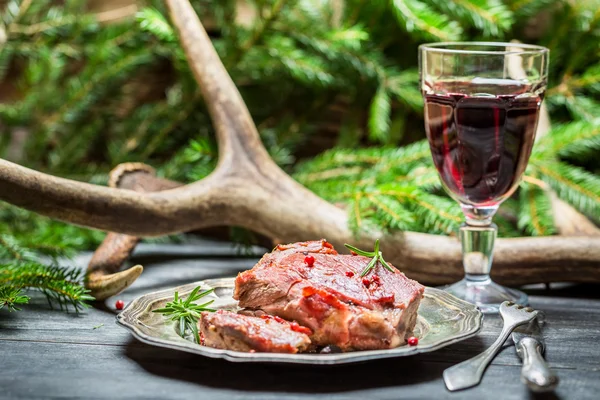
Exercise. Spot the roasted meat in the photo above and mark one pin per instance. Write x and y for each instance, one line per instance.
(309, 282)
(228, 330)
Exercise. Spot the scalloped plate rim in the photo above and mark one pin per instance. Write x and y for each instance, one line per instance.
(128, 317)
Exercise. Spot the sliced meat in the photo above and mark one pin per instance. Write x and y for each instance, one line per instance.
(228, 330)
(331, 298)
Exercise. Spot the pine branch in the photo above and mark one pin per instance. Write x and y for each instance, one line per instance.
(576, 139)
(300, 65)
(492, 17)
(432, 213)
(528, 8)
(574, 185)
(405, 86)
(10, 297)
(416, 16)
(535, 211)
(22, 267)
(380, 115)
(62, 286)
(151, 20)
(389, 213)
(193, 162)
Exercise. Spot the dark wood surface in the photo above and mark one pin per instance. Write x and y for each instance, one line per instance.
(50, 354)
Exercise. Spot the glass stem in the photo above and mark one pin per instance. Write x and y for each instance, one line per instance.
(477, 250)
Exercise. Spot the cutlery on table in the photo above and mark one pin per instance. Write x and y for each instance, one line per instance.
(468, 373)
(530, 346)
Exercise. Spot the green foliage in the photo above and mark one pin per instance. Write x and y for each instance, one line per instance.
(379, 121)
(10, 297)
(24, 267)
(575, 185)
(186, 312)
(315, 76)
(492, 17)
(535, 211)
(394, 188)
(418, 17)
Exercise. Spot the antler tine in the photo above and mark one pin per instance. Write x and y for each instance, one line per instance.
(103, 278)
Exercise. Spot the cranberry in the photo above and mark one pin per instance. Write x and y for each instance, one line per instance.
(413, 341)
(119, 304)
(309, 260)
(349, 274)
(366, 282)
(353, 253)
(327, 244)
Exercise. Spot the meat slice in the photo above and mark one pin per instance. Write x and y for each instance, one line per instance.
(331, 298)
(228, 330)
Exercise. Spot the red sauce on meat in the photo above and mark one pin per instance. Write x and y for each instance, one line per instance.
(323, 296)
(273, 317)
(301, 329)
(390, 298)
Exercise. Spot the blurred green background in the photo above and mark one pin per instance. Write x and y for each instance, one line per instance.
(85, 85)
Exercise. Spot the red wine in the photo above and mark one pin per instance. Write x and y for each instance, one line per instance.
(481, 141)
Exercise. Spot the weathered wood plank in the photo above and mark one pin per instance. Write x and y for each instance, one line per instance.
(47, 370)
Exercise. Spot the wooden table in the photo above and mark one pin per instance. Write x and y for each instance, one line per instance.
(50, 354)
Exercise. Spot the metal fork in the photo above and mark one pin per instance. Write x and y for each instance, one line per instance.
(468, 373)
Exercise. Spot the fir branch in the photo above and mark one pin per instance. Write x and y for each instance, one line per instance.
(576, 139)
(580, 106)
(10, 297)
(151, 20)
(535, 211)
(405, 86)
(380, 115)
(574, 185)
(389, 213)
(432, 213)
(84, 94)
(62, 286)
(527, 8)
(302, 66)
(54, 26)
(492, 17)
(276, 8)
(416, 16)
(160, 136)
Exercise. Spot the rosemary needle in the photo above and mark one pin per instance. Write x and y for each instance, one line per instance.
(186, 312)
(376, 254)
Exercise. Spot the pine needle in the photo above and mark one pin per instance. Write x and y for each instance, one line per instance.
(535, 211)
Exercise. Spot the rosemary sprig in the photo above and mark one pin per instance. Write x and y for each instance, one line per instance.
(376, 254)
(186, 311)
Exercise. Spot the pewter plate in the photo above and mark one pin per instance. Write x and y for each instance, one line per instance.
(442, 320)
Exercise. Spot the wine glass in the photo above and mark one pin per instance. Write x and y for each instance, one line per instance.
(482, 101)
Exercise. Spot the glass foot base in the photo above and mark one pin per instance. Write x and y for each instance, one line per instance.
(487, 295)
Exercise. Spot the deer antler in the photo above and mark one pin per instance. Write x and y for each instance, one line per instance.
(103, 278)
(248, 189)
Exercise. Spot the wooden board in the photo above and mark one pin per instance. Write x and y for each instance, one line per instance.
(49, 354)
